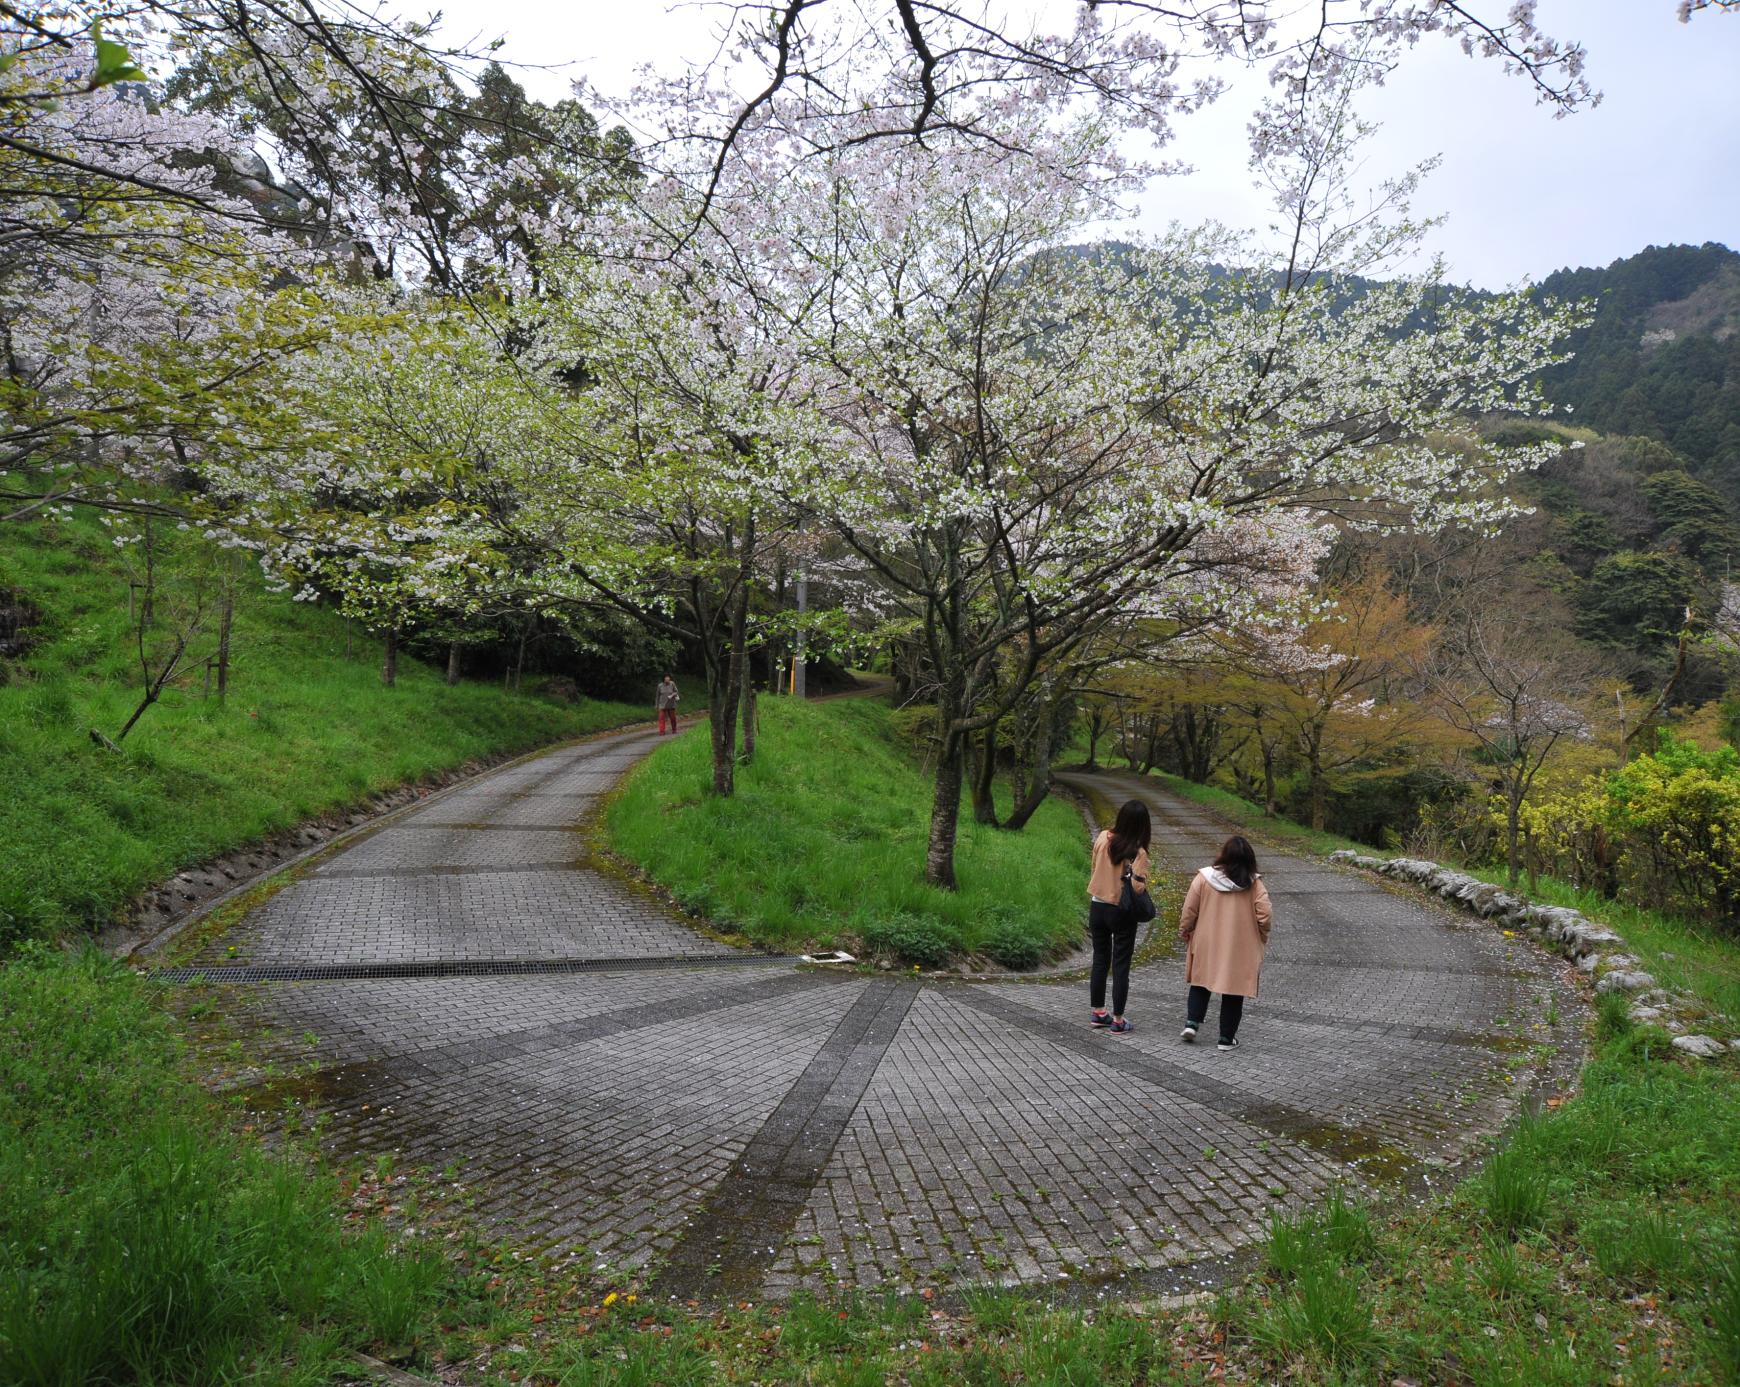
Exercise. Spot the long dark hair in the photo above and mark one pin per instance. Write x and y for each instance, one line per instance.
(1132, 833)
(1238, 859)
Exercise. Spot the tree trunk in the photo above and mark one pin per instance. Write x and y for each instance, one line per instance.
(945, 814)
(153, 687)
(452, 663)
(520, 658)
(1094, 729)
(746, 696)
(1319, 789)
(225, 619)
(724, 684)
(1512, 831)
(148, 600)
(1151, 756)
(390, 658)
(1039, 785)
(1270, 807)
(722, 727)
(985, 779)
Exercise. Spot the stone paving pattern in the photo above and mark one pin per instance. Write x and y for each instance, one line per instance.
(737, 1133)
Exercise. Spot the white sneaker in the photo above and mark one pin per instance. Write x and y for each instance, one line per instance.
(1188, 1035)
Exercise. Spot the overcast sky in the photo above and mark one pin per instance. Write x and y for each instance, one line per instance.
(1657, 162)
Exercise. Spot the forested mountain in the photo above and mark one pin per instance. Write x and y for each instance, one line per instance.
(1662, 357)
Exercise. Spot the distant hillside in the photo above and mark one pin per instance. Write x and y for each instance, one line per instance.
(1662, 358)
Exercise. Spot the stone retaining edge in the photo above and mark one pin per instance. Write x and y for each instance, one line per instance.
(1596, 950)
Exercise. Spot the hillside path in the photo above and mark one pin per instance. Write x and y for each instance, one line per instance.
(461, 989)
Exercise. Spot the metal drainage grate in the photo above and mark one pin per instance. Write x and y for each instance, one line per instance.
(453, 968)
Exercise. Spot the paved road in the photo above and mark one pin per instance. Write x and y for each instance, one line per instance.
(733, 1128)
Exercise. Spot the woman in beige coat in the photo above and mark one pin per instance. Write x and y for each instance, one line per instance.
(1121, 849)
(1225, 927)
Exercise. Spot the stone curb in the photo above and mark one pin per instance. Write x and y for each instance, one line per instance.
(1596, 950)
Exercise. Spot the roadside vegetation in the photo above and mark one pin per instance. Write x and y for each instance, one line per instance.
(823, 843)
(305, 727)
(144, 1241)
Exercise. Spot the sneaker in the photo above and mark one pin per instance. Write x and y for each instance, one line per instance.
(1120, 1028)
(1226, 1044)
(1188, 1034)
(1100, 1018)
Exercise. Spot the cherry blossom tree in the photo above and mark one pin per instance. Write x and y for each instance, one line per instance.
(1044, 438)
(836, 75)
(670, 485)
(159, 270)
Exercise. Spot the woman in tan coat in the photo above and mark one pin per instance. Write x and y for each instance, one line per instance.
(1118, 851)
(1225, 926)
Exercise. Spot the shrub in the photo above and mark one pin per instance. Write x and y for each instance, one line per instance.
(912, 938)
(1662, 830)
(1013, 946)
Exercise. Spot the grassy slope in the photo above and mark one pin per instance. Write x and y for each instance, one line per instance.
(304, 730)
(824, 841)
(140, 1239)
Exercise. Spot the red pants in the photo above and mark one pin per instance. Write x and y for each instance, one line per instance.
(670, 713)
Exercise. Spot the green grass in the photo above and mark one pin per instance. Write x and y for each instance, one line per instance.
(141, 1241)
(304, 730)
(824, 844)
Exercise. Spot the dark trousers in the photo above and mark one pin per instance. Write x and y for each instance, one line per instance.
(1232, 1010)
(1114, 936)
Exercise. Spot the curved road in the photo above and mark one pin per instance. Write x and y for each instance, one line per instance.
(615, 1086)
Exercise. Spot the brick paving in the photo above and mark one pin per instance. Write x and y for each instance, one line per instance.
(733, 1133)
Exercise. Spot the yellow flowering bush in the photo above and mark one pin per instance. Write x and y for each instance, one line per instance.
(1663, 830)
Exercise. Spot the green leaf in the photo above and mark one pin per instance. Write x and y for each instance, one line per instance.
(114, 62)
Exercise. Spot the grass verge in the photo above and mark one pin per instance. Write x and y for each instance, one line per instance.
(305, 729)
(823, 843)
(143, 1242)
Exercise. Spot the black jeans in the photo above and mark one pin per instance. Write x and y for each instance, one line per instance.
(1114, 936)
(1232, 1010)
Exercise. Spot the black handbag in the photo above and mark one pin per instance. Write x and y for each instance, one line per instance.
(1138, 906)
